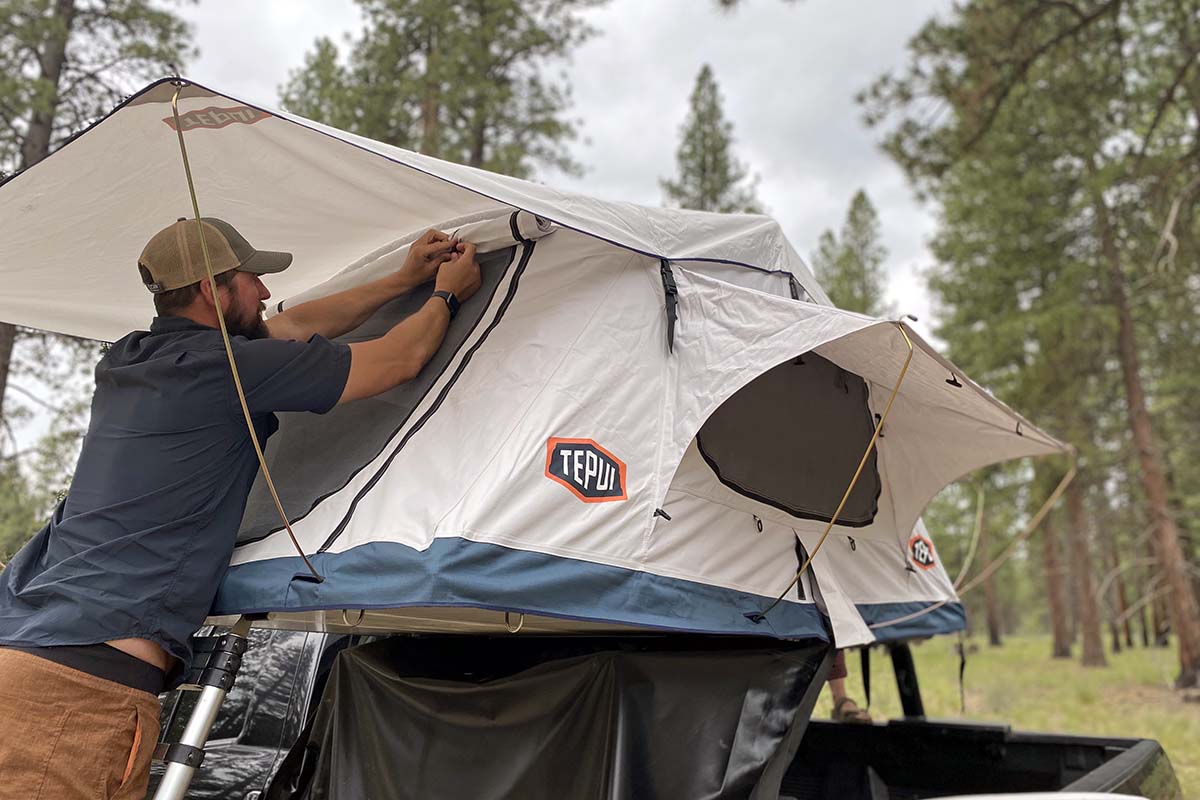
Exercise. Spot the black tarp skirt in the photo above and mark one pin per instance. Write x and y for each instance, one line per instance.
(532, 718)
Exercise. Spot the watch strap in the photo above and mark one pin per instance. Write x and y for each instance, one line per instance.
(451, 301)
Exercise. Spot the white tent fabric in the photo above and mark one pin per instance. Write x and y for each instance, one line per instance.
(330, 197)
(560, 372)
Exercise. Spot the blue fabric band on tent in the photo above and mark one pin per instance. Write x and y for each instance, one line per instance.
(459, 572)
(949, 618)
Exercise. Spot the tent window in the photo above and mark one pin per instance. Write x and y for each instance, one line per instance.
(312, 456)
(792, 439)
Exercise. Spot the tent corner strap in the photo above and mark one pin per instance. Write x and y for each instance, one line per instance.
(671, 299)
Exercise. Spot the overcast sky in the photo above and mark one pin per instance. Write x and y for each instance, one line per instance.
(788, 73)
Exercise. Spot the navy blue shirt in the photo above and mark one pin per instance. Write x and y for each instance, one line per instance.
(146, 531)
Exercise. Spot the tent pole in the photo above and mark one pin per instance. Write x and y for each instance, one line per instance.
(185, 757)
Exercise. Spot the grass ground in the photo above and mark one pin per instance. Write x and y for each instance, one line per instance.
(1020, 684)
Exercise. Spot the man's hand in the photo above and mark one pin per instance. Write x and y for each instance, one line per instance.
(460, 274)
(430, 250)
(399, 355)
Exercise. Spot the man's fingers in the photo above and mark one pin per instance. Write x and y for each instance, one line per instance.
(434, 250)
(434, 235)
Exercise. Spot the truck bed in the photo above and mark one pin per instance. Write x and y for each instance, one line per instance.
(906, 759)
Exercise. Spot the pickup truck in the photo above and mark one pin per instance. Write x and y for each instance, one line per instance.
(284, 673)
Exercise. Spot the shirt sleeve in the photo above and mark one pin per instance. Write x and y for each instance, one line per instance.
(287, 375)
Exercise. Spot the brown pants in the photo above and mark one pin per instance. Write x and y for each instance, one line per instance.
(67, 735)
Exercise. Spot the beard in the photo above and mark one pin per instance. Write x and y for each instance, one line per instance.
(249, 324)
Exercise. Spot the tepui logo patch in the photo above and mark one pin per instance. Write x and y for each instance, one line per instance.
(921, 550)
(593, 474)
(214, 117)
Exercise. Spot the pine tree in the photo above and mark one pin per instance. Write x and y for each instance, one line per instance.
(709, 177)
(63, 64)
(462, 80)
(1090, 110)
(851, 268)
(19, 511)
(1056, 601)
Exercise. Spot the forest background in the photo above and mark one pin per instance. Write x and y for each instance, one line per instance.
(1054, 147)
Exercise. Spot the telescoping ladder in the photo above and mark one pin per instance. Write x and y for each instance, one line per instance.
(215, 679)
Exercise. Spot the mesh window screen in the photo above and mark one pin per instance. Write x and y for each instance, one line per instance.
(792, 439)
(313, 456)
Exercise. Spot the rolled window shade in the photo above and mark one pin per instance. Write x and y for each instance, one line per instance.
(488, 235)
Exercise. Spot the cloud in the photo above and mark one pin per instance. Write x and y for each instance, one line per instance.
(788, 73)
(247, 48)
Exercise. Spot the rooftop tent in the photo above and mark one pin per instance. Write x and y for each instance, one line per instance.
(576, 458)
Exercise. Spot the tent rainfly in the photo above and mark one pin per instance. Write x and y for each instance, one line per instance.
(644, 419)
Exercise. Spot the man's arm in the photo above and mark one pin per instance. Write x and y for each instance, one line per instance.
(401, 353)
(343, 312)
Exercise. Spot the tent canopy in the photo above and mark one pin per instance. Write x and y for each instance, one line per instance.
(78, 220)
(571, 455)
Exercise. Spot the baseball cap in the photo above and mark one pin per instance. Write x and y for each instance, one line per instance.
(173, 258)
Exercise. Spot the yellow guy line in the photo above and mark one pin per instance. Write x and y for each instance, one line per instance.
(975, 537)
(997, 562)
(861, 464)
(237, 381)
(1030, 527)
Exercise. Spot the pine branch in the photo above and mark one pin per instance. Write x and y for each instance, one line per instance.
(1163, 104)
(8, 429)
(1023, 65)
(31, 396)
(1166, 237)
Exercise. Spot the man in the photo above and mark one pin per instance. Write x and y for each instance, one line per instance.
(97, 610)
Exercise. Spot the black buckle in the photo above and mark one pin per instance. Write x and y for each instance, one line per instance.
(179, 754)
(671, 293)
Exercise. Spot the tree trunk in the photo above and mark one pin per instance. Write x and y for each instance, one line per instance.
(989, 589)
(52, 58)
(478, 138)
(36, 145)
(431, 97)
(1181, 600)
(1178, 513)
(1158, 610)
(1115, 602)
(1081, 566)
(8, 337)
(1119, 592)
(1055, 591)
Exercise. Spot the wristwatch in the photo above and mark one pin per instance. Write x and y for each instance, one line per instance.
(451, 301)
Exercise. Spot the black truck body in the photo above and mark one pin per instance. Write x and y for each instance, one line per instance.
(285, 672)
